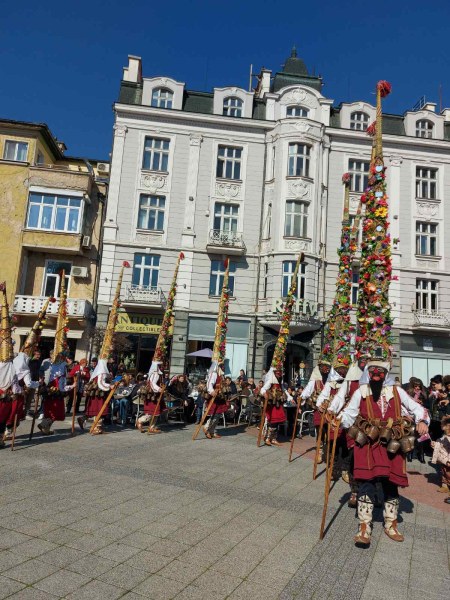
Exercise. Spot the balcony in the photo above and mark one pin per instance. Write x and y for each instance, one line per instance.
(433, 319)
(226, 242)
(31, 305)
(144, 295)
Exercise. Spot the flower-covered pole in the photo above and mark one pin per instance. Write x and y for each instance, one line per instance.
(374, 312)
(108, 340)
(34, 336)
(60, 347)
(220, 338)
(6, 342)
(166, 332)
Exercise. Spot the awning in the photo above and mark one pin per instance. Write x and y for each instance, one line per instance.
(295, 328)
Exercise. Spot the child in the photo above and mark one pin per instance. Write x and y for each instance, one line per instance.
(441, 455)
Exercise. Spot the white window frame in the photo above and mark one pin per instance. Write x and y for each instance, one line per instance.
(427, 295)
(229, 158)
(54, 206)
(154, 147)
(359, 174)
(228, 214)
(57, 278)
(295, 111)
(359, 120)
(425, 236)
(299, 157)
(16, 143)
(218, 271)
(424, 128)
(287, 271)
(142, 268)
(152, 209)
(426, 183)
(232, 106)
(292, 217)
(162, 98)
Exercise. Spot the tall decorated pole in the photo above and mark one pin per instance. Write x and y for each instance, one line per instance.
(108, 339)
(374, 312)
(220, 346)
(6, 342)
(60, 347)
(34, 336)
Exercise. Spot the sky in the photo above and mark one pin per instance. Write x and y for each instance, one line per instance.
(61, 63)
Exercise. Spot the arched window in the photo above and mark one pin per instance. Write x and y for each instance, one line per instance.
(162, 98)
(424, 129)
(232, 107)
(296, 111)
(359, 121)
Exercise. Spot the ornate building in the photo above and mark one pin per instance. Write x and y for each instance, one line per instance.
(256, 176)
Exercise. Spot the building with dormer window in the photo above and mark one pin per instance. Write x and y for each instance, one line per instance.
(256, 176)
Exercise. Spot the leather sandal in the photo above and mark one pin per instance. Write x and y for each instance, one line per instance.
(268, 442)
(393, 533)
(275, 443)
(362, 539)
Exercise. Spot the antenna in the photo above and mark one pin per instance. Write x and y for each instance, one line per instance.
(250, 79)
(440, 98)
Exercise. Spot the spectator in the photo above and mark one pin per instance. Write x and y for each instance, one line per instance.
(251, 383)
(231, 384)
(441, 456)
(82, 372)
(200, 400)
(93, 364)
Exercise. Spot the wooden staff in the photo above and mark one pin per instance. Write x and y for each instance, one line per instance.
(13, 439)
(295, 428)
(328, 479)
(204, 415)
(74, 403)
(36, 402)
(263, 418)
(104, 407)
(319, 440)
(154, 415)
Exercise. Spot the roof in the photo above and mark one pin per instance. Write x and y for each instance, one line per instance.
(41, 128)
(294, 72)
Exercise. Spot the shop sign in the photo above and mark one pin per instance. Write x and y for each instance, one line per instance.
(301, 307)
(138, 323)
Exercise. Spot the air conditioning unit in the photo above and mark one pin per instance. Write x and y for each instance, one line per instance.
(103, 168)
(79, 272)
(86, 242)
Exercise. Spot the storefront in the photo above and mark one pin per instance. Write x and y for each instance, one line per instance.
(140, 334)
(424, 355)
(201, 332)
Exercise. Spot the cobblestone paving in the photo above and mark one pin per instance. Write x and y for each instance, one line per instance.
(129, 516)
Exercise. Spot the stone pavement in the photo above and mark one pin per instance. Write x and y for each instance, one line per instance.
(132, 516)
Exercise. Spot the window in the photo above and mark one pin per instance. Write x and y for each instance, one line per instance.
(229, 162)
(146, 270)
(151, 212)
(296, 111)
(299, 160)
(266, 279)
(424, 129)
(232, 107)
(426, 183)
(156, 154)
(272, 163)
(39, 158)
(359, 175)
(217, 275)
(355, 286)
(52, 277)
(288, 271)
(15, 151)
(225, 217)
(267, 222)
(296, 224)
(162, 98)
(54, 213)
(359, 121)
(426, 239)
(426, 295)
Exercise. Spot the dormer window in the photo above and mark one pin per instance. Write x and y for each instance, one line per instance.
(359, 121)
(296, 111)
(232, 107)
(162, 98)
(424, 129)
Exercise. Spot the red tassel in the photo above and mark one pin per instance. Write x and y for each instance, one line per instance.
(52, 299)
(181, 256)
(372, 129)
(225, 263)
(346, 178)
(384, 87)
(125, 264)
(3, 286)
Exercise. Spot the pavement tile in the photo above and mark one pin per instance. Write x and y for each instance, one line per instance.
(61, 535)
(182, 571)
(222, 584)
(91, 565)
(96, 590)
(31, 593)
(148, 561)
(34, 547)
(10, 559)
(194, 593)
(117, 552)
(9, 538)
(252, 591)
(140, 539)
(62, 582)
(159, 588)
(9, 586)
(31, 571)
(124, 576)
(62, 556)
(88, 543)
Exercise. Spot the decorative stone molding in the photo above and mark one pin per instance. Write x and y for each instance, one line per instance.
(230, 191)
(299, 189)
(395, 160)
(265, 246)
(354, 203)
(301, 126)
(299, 96)
(153, 182)
(195, 140)
(150, 238)
(120, 130)
(297, 245)
(427, 210)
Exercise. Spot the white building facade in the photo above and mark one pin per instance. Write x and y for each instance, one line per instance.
(256, 176)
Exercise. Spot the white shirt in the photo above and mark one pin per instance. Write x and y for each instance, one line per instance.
(326, 392)
(337, 404)
(409, 407)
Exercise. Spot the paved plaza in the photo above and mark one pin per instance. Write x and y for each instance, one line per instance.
(132, 516)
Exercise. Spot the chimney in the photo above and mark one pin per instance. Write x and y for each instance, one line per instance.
(61, 145)
(446, 114)
(263, 86)
(134, 70)
(431, 106)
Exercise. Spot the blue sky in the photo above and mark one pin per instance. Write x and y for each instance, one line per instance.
(61, 63)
